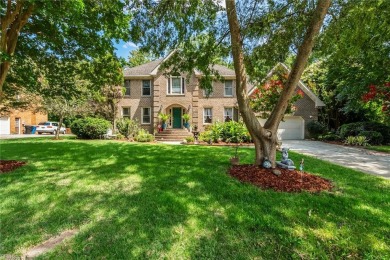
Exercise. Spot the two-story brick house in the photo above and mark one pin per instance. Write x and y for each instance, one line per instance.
(150, 92)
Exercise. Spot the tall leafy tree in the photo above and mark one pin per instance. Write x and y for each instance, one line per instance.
(256, 34)
(66, 30)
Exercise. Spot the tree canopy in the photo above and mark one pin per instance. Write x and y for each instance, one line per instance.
(41, 31)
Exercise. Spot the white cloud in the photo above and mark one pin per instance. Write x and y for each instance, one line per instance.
(130, 45)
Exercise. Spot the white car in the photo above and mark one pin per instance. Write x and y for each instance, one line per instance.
(50, 127)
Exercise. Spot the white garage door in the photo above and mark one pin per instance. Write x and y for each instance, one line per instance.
(4, 126)
(292, 128)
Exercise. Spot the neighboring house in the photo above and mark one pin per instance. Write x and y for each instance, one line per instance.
(14, 122)
(150, 92)
(293, 126)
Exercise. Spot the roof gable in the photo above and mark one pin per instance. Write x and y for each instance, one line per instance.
(152, 68)
(318, 102)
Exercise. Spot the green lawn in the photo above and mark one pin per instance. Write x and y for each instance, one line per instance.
(159, 201)
(380, 148)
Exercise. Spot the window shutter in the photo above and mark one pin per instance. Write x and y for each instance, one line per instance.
(182, 85)
(169, 85)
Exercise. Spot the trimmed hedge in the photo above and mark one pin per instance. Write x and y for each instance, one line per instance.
(354, 129)
(373, 137)
(90, 127)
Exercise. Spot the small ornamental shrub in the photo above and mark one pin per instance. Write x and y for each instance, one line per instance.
(128, 128)
(189, 139)
(356, 140)
(352, 129)
(206, 136)
(90, 127)
(143, 136)
(373, 137)
(316, 128)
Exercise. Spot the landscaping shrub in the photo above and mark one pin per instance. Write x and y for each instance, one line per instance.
(354, 129)
(316, 128)
(234, 132)
(143, 136)
(356, 140)
(90, 127)
(373, 137)
(128, 128)
(189, 139)
(206, 136)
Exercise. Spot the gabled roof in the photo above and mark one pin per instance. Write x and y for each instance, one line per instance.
(318, 102)
(151, 69)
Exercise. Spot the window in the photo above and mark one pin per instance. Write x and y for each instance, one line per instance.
(126, 112)
(228, 114)
(228, 88)
(145, 115)
(208, 92)
(176, 85)
(127, 87)
(208, 115)
(146, 90)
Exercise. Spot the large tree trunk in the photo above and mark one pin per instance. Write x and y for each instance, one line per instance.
(265, 138)
(11, 24)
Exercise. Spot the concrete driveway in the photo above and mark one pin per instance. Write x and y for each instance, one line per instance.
(367, 161)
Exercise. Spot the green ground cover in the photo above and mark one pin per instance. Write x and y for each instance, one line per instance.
(162, 201)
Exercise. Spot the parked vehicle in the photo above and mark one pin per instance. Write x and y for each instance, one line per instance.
(50, 127)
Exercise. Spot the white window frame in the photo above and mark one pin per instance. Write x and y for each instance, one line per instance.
(170, 84)
(211, 92)
(205, 115)
(126, 116)
(226, 114)
(142, 116)
(127, 80)
(150, 87)
(231, 87)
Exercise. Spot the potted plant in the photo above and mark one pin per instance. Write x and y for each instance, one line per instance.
(164, 118)
(186, 117)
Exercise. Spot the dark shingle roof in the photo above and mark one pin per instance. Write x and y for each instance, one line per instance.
(148, 68)
(144, 69)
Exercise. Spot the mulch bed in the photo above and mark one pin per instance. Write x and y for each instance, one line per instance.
(288, 181)
(10, 165)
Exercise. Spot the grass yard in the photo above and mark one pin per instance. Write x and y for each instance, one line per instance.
(380, 148)
(177, 202)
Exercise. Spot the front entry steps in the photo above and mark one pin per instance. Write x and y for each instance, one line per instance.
(172, 134)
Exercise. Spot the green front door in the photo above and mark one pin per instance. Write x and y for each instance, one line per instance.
(176, 117)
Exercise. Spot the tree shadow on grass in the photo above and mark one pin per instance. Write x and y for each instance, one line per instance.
(159, 201)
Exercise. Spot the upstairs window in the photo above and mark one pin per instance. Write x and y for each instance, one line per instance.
(228, 88)
(126, 112)
(146, 88)
(127, 87)
(207, 115)
(175, 85)
(208, 92)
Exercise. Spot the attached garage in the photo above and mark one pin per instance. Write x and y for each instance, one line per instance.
(292, 128)
(5, 126)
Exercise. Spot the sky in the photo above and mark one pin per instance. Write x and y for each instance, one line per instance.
(124, 48)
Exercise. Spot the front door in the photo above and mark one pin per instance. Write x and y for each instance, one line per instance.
(176, 117)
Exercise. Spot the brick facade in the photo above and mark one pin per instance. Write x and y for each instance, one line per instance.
(18, 119)
(193, 100)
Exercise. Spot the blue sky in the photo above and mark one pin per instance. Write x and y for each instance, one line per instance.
(124, 48)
